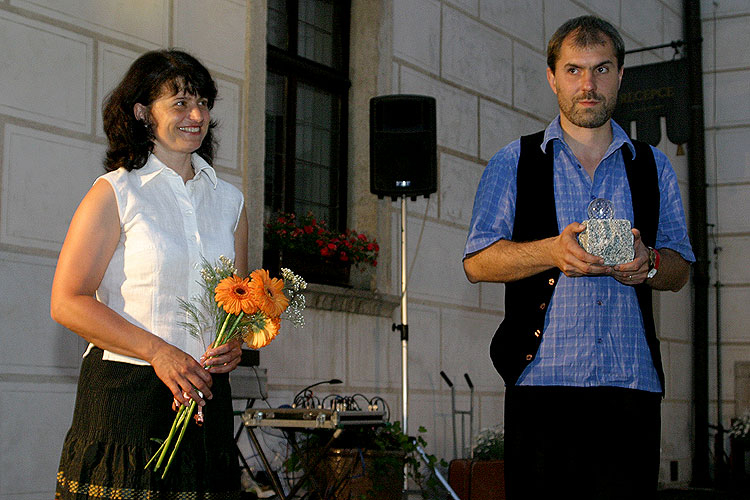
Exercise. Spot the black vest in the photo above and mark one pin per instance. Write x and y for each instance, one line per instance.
(517, 340)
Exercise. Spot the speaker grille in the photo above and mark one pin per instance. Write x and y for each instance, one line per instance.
(403, 146)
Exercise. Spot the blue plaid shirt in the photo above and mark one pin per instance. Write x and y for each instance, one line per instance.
(593, 331)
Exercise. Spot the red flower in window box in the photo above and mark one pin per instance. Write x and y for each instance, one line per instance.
(307, 235)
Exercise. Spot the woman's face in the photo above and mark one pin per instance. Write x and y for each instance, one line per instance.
(179, 122)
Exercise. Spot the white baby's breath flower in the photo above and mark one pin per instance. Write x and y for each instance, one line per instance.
(294, 285)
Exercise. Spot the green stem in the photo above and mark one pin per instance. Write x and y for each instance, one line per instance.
(166, 441)
(184, 413)
(161, 447)
(234, 326)
(179, 419)
(190, 411)
(221, 332)
(221, 338)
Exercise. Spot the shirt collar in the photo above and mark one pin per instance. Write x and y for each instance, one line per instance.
(201, 167)
(619, 137)
(154, 166)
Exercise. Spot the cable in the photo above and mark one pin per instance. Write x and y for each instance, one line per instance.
(419, 241)
(260, 387)
(306, 395)
(373, 404)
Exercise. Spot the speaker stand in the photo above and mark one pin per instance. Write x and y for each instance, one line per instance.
(403, 328)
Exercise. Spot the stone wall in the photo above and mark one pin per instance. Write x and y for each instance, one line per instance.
(59, 60)
(726, 65)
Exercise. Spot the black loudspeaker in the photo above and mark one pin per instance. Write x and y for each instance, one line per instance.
(403, 146)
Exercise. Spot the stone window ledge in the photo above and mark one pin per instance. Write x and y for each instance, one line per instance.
(333, 298)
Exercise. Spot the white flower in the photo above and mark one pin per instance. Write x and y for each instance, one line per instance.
(741, 426)
(293, 288)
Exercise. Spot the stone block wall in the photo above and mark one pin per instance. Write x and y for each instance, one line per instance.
(59, 61)
(726, 65)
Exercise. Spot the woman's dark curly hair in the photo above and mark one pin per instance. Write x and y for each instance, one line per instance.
(130, 142)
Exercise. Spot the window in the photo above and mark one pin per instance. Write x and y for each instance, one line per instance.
(306, 108)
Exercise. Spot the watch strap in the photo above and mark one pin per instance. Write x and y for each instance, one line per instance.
(654, 259)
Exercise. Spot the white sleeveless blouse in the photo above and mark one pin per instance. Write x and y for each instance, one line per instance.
(167, 226)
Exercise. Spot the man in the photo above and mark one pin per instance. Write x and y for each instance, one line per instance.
(577, 349)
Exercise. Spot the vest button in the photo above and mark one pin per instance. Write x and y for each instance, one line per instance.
(529, 357)
(542, 306)
(552, 282)
(538, 333)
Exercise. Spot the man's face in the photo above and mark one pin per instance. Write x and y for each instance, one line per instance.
(586, 80)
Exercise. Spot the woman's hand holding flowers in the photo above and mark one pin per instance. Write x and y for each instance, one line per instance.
(188, 379)
(223, 359)
(184, 376)
(232, 309)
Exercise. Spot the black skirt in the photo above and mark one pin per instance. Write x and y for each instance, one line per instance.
(120, 409)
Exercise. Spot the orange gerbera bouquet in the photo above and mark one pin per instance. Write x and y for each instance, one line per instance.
(231, 306)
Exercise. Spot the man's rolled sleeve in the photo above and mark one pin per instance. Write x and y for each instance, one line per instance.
(672, 232)
(494, 205)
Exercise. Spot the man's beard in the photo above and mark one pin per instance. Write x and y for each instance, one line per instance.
(588, 117)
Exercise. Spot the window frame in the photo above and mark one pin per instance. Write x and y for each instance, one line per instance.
(297, 70)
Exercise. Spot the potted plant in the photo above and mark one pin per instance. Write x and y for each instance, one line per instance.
(321, 255)
(739, 435)
(483, 476)
(363, 463)
(489, 444)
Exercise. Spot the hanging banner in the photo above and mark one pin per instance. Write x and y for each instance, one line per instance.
(651, 91)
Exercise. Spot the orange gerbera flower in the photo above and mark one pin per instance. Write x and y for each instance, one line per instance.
(276, 324)
(256, 338)
(233, 294)
(268, 293)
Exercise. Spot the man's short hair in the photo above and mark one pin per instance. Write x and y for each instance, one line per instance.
(587, 31)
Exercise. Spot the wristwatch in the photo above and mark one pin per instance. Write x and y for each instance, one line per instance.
(653, 262)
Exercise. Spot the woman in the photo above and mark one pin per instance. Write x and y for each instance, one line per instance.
(134, 246)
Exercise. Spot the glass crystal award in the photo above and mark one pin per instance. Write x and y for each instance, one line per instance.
(606, 236)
